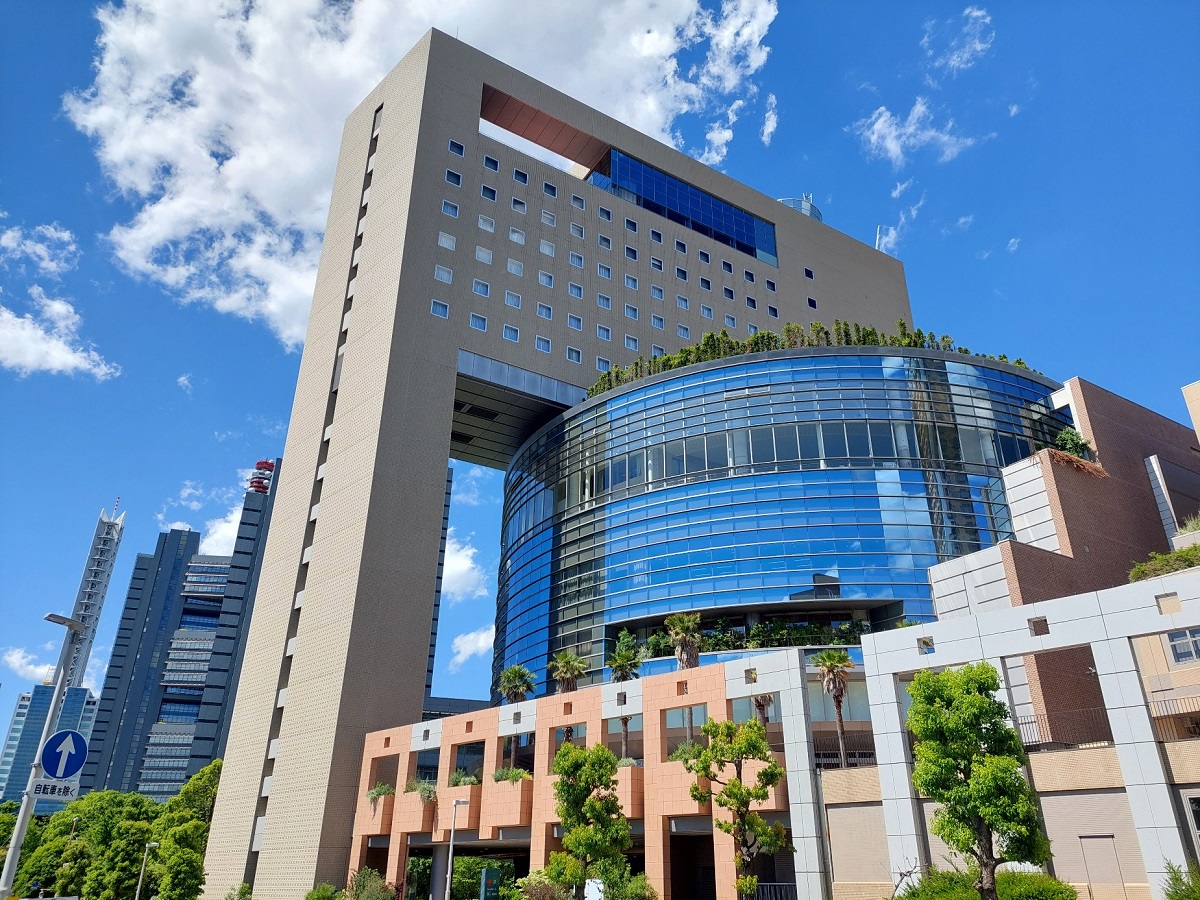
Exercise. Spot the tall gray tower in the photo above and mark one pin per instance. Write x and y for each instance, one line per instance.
(93, 586)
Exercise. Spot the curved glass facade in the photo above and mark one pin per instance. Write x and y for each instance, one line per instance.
(815, 485)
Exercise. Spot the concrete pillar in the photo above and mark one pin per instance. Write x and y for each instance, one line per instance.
(437, 874)
(1146, 782)
(804, 802)
(901, 812)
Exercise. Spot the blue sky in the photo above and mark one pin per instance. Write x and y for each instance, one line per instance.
(164, 170)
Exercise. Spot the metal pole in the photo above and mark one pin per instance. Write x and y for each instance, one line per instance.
(141, 875)
(450, 859)
(25, 813)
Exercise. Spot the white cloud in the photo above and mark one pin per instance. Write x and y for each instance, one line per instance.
(885, 135)
(901, 187)
(1013, 109)
(50, 248)
(770, 120)
(462, 577)
(957, 45)
(891, 235)
(185, 382)
(983, 254)
(1013, 244)
(716, 141)
(47, 340)
(475, 487)
(473, 643)
(964, 222)
(221, 533)
(196, 117)
(93, 675)
(25, 665)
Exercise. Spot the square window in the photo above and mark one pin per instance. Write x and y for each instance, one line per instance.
(631, 282)
(577, 260)
(513, 299)
(656, 236)
(658, 322)
(605, 214)
(681, 301)
(812, 304)
(574, 355)
(575, 290)
(577, 202)
(726, 267)
(443, 274)
(488, 193)
(656, 351)
(680, 247)
(454, 178)
(512, 333)
(545, 311)
(520, 177)
(482, 288)
(656, 292)
(545, 279)
(517, 236)
(752, 303)
(549, 190)
(602, 364)
(751, 328)
(574, 322)
(706, 311)
(457, 149)
(478, 322)
(748, 275)
(549, 218)
(704, 257)
(683, 331)
(604, 301)
(680, 273)
(728, 293)
(604, 241)
(516, 267)
(808, 273)
(604, 271)
(546, 247)
(484, 255)
(604, 332)
(576, 230)
(450, 209)
(446, 240)
(630, 252)
(490, 162)
(518, 205)
(487, 224)
(705, 284)
(631, 311)
(656, 264)
(630, 342)
(731, 321)
(770, 285)
(542, 343)
(631, 225)
(440, 309)
(773, 312)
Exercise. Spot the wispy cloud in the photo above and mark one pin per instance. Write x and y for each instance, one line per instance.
(964, 222)
(770, 120)
(185, 382)
(1013, 244)
(46, 339)
(956, 45)
(44, 250)
(885, 135)
(901, 187)
(891, 235)
(1013, 109)
(25, 665)
(716, 141)
(475, 487)
(470, 644)
(462, 577)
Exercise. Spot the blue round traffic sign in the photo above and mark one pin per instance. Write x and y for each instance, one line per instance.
(63, 755)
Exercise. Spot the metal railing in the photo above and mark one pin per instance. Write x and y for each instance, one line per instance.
(776, 891)
(1177, 719)
(1064, 729)
(860, 750)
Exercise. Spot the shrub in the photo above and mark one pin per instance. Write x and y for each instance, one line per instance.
(323, 892)
(1032, 886)
(626, 762)
(427, 789)
(241, 892)
(513, 774)
(537, 886)
(382, 789)
(1190, 524)
(367, 884)
(1071, 441)
(460, 778)
(686, 750)
(1181, 885)
(955, 884)
(1166, 563)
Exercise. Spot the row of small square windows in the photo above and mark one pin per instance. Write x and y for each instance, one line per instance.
(521, 177)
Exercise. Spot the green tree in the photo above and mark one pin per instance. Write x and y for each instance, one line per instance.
(594, 828)
(241, 892)
(114, 875)
(324, 891)
(367, 884)
(567, 668)
(469, 869)
(968, 760)
(199, 796)
(1071, 441)
(730, 746)
(625, 663)
(73, 867)
(683, 631)
(515, 684)
(832, 666)
(179, 863)
(418, 878)
(41, 866)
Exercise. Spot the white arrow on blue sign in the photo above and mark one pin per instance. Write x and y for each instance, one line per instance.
(64, 754)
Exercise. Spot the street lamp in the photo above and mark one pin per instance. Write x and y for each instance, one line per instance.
(150, 846)
(74, 629)
(462, 801)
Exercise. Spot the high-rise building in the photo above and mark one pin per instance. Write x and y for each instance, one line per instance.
(468, 292)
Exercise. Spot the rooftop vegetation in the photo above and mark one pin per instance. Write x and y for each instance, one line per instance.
(1166, 563)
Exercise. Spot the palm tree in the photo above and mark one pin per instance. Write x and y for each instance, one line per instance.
(683, 631)
(626, 664)
(515, 684)
(832, 666)
(762, 706)
(567, 668)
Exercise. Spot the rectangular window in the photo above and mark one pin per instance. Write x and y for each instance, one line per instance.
(681, 301)
(577, 202)
(520, 177)
(726, 267)
(545, 311)
(705, 284)
(658, 322)
(488, 193)
(574, 354)
(512, 333)
(604, 301)
(549, 218)
(630, 252)
(516, 267)
(808, 273)
(731, 321)
(454, 178)
(576, 260)
(680, 247)
(1185, 645)
(631, 311)
(656, 292)
(631, 282)
(752, 303)
(770, 285)
(751, 328)
(812, 304)
(545, 279)
(513, 299)
(443, 274)
(631, 342)
(549, 190)
(604, 271)
(542, 343)
(484, 255)
(604, 241)
(450, 209)
(656, 351)
(457, 149)
(605, 214)
(727, 292)
(517, 236)
(487, 224)
(656, 236)
(440, 309)
(482, 288)
(604, 332)
(602, 364)
(478, 322)
(631, 225)
(748, 275)
(575, 290)
(706, 311)
(446, 240)
(680, 273)
(704, 257)
(490, 162)
(683, 331)
(656, 264)
(576, 230)
(546, 247)
(518, 205)
(773, 312)
(574, 322)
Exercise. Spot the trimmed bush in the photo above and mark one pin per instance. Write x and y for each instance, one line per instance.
(953, 884)
(1166, 563)
(513, 774)
(460, 778)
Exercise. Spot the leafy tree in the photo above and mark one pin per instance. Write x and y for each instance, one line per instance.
(1180, 884)
(683, 630)
(625, 663)
(114, 875)
(73, 867)
(241, 892)
(832, 666)
(324, 891)
(1071, 441)
(367, 884)
(730, 746)
(594, 828)
(418, 878)
(515, 684)
(41, 866)
(199, 796)
(567, 668)
(968, 760)
(469, 869)
(180, 860)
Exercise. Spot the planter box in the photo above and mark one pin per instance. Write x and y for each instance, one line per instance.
(379, 819)
(669, 785)
(506, 804)
(468, 816)
(413, 816)
(631, 781)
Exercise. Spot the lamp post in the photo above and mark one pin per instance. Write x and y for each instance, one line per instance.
(74, 629)
(462, 801)
(142, 874)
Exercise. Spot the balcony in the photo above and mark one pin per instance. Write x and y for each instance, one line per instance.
(413, 815)
(671, 787)
(506, 804)
(380, 815)
(468, 816)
